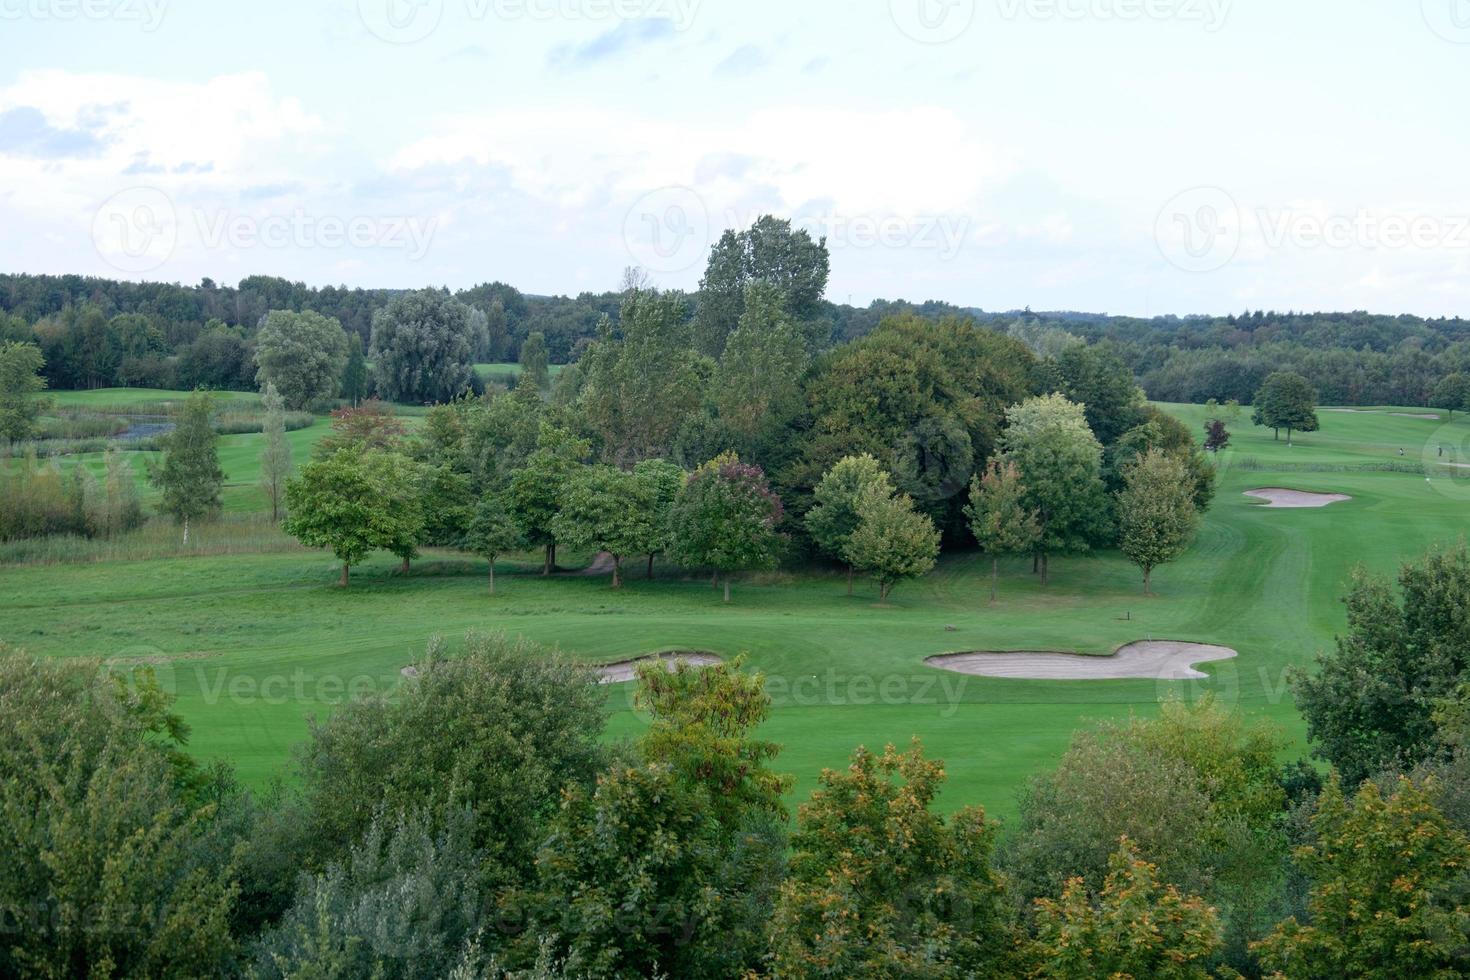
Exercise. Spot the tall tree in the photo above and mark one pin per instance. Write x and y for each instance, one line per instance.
(757, 387)
(603, 508)
(1156, 515)
(1060, 461)
(835, 517)
(20, 381)
(421, 348)
(302, 354)
(354, 502)
(999, 518)
(663, 481)
(535, 489)
(770, 252)
(356, 381)
(1452, 394)
(725, 518)
(493, 532)
(189, 478)
(535, 366)
(892, 541)
(275, 457)
(1286, 401)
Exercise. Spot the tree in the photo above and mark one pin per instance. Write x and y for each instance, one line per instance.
(354, 502)
(1370, 704)
(1156, 515)
(370, 426)
(1286, 401)
(1060, 462)
(1096, 378)
(20, 380)
(421, 348)
(892, 541)
(881, 886)
(757, 387)
(1216, 436)
(768, 252)
(534, 362)
(1137, 926)
(663, 481)
(1385, 901)
(501, 727)
(835, 516)
(493, 532)
(356, 380)
(606, 509)
(999, 518)
(1452, 393)
(190, 478)
(275, 457)
(302, 355)
(403, 518)
(535, 489)
(725, 518)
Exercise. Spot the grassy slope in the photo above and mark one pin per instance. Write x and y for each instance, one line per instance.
(272, 629)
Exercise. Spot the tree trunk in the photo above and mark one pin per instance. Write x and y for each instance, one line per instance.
(1276, 434)
(343, 581)
(714, 579)
(1045, 579)
(1035, 562)
(186, 531)
(650, 565)
(849, 581)
(546, 565)
(617, 572)
(404, 568)
(727, 588)
(883, 589)
(994, 575)
(1147, 574)
(1288, 437)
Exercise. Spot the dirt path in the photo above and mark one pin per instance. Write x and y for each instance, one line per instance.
(626, 670)
(1281, 497)
(1165, 660)
(601, 565)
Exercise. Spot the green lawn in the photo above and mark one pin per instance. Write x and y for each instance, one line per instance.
(254, 644)
(506, 373)
(107, 398)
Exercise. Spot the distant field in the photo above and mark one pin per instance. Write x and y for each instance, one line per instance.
(506, 374)
(272, 629)
(105, 398)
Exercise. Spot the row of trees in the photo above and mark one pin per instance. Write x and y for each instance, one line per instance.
(472, 823)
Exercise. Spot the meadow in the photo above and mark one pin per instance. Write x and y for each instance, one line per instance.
(256, 641)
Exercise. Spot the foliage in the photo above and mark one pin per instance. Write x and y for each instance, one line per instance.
(1286, 401)
(20, 381)
(190, 478)
(421, 348)
(1370, 705)
(725, 518)
(275, 455)
(1156, 515)
(757, 387)
(500, 728)
(998, 515)
(606, 509)
(768, 253)
(356, 379)
(534, 361)
(303, 355)
(1217, 437)
(1137, 926)
(1387, 891)
(355, 502)
(535, 490)
(662, 480)
(369, 426)
(834, 518)
(881, 886)
(1452, 393)
(493, 532)
(892, 541)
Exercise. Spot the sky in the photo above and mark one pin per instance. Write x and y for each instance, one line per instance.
(1135, 157)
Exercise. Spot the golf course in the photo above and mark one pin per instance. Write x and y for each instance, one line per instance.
(255, 637)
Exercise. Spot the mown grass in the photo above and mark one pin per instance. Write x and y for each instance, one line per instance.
(254, 643)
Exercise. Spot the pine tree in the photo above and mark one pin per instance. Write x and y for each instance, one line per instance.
(190, 477)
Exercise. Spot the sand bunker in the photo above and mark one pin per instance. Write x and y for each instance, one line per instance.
(1167, 660)
(626, 670)
(1280, 497)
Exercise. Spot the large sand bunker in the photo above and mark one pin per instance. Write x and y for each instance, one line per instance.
(1166, 660)
(627, 670)
(1281, 497)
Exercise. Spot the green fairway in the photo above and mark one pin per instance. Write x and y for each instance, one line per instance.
(108, 398)
(506, 373)
(253, 644)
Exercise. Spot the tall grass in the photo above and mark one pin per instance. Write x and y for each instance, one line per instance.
(232, 534)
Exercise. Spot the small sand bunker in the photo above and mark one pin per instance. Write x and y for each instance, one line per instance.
(410, 672)
(1280, 497)
(1165, 660)
(626, 670)
(1415, 415)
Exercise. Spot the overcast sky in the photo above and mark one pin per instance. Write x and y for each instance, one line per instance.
(1123, 156)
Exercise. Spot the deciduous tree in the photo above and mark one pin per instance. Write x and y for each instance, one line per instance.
(835, 516)
(189, 478)
(603, 508)
(1156, 515)
(999, 518)
(354, 502)
(20, 381)
(493, 532)
(1286, 401)
(421, 348)
(303, 354)
(535, 489)
(892, 541)
(725, 518)
(275, 455)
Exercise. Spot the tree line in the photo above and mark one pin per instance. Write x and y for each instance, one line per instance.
(472, 823)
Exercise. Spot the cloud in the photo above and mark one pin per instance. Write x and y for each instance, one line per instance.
(628, 35)
(24, 131)
(746, 59)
